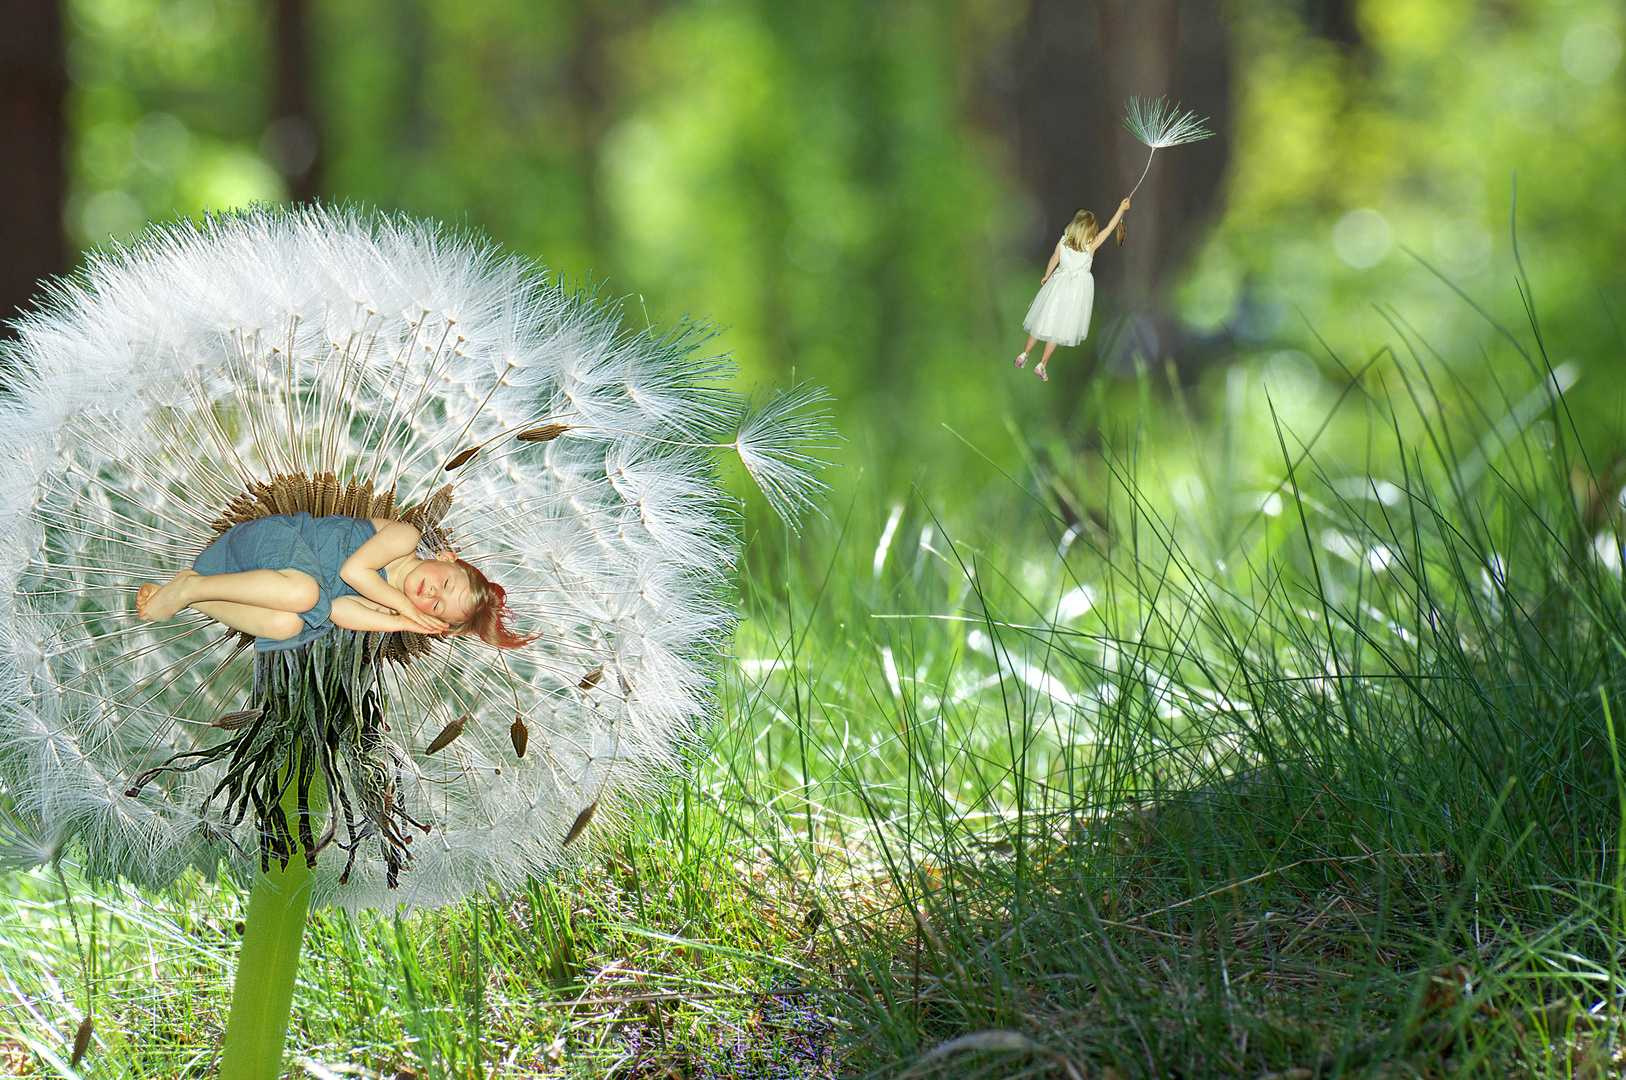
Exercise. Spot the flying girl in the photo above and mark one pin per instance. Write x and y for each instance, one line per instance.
(1060, 314)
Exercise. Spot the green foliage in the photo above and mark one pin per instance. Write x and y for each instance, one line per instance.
(486, 113)
(805, 174)
(1346, 159)
(652, 949)
(1295, 760)
(825, 182)
(168, 108)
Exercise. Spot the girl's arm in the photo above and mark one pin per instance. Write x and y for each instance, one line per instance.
(360, 571)
(1055, 257)
(1101, 237)
(354, 613)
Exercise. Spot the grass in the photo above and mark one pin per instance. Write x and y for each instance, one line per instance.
(1254, 756)
(647, 950)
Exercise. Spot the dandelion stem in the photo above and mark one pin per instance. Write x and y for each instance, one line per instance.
(262, 997)
(1143, 172)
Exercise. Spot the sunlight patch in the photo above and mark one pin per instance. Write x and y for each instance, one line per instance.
(1075, 603)
(1362, 238)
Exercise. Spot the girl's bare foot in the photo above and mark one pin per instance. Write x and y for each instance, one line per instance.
(161, 603)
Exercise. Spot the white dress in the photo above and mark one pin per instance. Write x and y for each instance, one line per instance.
(1061, 311)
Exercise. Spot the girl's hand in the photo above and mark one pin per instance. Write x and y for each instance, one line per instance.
(424, 623)
(410, 626)
(359, 613)
(1124, 205)
(1044, 279)
(414, 621)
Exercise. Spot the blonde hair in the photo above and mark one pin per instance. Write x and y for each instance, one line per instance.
(488, 612)
(1081, 232)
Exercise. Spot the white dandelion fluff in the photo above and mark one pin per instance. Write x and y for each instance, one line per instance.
(1160, 124)
(778, 443)
(339, 362)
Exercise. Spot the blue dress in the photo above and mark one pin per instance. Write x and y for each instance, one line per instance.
(315, 546)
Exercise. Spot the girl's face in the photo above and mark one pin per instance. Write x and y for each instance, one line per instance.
(440, 588)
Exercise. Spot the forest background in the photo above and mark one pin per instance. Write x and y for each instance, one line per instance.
(864, 194)
(1030, 602)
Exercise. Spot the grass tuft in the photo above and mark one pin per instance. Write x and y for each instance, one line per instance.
(1286, 751)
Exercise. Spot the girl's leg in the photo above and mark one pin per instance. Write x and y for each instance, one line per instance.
(1023, 358)
(1039, 368)
(259, 621)
(274, 590)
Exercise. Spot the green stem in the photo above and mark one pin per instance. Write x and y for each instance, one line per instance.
(262, 998)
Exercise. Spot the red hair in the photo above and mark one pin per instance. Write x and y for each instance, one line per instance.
(489, 613)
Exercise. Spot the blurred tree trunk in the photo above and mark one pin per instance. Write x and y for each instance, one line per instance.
(33, 81)
(293, 140)
(1333, 20)
(1075, 66)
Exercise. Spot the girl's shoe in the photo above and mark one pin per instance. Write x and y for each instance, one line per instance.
(1038, 369)
(1021, 358)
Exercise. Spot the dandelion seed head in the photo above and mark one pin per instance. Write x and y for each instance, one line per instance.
(174, 374)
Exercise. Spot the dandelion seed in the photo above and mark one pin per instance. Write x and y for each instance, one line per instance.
(234, 720)
(1160, 124)
(447, 734)
(579, 826)
(545, 433)
(780, 441)
(461, 459)
(30, 843)
(519, 735)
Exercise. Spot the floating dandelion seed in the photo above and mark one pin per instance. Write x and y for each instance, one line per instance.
(1159, 124)
(343, 363)
(779, 441)
(579, 826)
